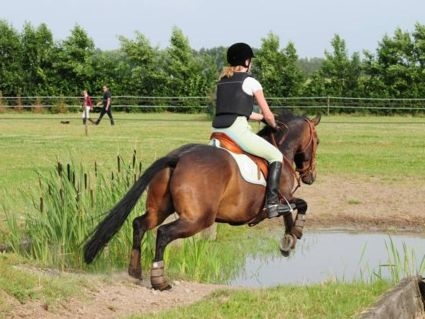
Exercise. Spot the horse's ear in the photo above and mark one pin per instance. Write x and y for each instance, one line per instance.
(316, 120)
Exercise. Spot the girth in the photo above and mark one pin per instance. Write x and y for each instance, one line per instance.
(229, 144)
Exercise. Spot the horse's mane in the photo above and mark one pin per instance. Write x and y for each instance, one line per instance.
(282, 120)
(286, 116)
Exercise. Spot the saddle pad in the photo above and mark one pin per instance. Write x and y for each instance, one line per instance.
(247, 167)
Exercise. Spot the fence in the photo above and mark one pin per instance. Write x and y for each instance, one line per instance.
(327, 104)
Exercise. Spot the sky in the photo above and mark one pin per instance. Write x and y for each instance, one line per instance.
(309, 24)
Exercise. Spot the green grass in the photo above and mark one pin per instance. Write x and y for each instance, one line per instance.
(321, 301)
(20, 280)
(391, 147)
(31, 142)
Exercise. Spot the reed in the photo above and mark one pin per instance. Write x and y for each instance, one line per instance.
(66, 203)
(401, 263)
(203, 260)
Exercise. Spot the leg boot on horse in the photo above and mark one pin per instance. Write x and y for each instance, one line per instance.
(273, 205)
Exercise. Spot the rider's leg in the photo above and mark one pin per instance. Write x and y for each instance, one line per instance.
(273, 205)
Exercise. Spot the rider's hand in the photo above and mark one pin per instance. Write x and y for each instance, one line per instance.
(275, 129)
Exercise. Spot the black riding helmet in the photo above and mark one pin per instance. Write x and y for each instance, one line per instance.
(238, 53)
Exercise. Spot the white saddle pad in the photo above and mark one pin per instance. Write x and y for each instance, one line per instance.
(249, 170)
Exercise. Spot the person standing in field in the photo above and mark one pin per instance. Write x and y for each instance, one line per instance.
(87, 107)
(106, 102)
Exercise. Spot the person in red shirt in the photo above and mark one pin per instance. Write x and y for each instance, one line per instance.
(87, 107)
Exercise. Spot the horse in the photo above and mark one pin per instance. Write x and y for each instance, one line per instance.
(203, 185)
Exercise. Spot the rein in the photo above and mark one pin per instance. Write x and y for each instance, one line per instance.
(301, 171)
(310, 166)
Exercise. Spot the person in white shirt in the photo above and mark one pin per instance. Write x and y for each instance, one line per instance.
(236, 92)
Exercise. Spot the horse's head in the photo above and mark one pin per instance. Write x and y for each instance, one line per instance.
(305, 154)
(297, 139)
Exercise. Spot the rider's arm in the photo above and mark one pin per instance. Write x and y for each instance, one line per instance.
(267, 114)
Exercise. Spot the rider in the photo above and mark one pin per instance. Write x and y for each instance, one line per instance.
(236, 90)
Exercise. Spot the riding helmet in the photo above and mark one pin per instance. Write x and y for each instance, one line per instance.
(238, 53)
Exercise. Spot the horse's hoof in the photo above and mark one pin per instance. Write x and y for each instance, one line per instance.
(158, 280)
(287, 244)
(162, 287)
(135, 273)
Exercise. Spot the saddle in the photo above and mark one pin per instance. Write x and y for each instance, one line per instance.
(229, 144)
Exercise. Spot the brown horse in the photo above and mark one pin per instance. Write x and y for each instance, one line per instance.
(203, 185)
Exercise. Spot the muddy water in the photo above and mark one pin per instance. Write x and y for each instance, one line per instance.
(321, 256)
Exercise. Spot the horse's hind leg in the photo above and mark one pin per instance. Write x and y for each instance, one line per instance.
(159, 207)
(166, 234)
(139, 228)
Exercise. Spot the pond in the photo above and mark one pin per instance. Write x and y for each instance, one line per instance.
(345, 256)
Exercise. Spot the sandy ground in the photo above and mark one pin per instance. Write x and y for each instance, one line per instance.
(334, 203)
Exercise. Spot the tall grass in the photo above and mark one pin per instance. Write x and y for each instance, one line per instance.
(401, 263)
(68, 203)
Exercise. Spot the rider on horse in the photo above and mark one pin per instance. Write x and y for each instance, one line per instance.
(236, 91)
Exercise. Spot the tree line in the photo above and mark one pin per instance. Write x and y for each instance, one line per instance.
(32, 63)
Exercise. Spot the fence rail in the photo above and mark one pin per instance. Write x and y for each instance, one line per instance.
(327, 104)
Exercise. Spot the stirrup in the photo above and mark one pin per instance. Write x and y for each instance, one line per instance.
(276, 210)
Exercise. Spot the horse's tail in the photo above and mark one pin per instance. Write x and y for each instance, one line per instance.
(112, 223)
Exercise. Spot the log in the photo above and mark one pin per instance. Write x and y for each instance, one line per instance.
(405, 301)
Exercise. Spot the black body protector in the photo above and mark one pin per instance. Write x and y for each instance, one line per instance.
(232, 101)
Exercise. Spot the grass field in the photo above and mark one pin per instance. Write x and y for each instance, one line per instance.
(359, 147)
(393, 147)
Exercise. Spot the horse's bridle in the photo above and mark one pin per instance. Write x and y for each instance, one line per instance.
(301, 171)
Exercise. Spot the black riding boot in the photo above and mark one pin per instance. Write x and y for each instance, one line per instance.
(273, 205)
(84, 121)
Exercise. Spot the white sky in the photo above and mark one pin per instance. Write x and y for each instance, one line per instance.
(309, 24)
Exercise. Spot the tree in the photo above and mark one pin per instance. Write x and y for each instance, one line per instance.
(10, 60)
(277, 69)
(74, 66)
(419, 58)
(185, 73)
(338, 75)
(145, 78)
(111, 69)
(37, 60)
(397, 63)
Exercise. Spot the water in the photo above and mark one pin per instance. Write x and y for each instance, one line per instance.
(321, 256)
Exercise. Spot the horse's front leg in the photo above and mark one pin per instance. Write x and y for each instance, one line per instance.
(297, 229)
(293, 226)
(135, 267)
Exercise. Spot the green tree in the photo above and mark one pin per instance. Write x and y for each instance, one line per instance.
(111, 69)
(371, 83)
(185, 73)
(396, 65)
(340, 75)
(419, 58)
(37, 60)
(10, 60)
(308, 66)
(277, 69)
(74, 67)
(145, 78)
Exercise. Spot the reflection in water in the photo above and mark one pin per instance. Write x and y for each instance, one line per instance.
(321, 256)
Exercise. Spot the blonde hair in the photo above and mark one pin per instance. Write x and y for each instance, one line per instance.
(228, 71)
